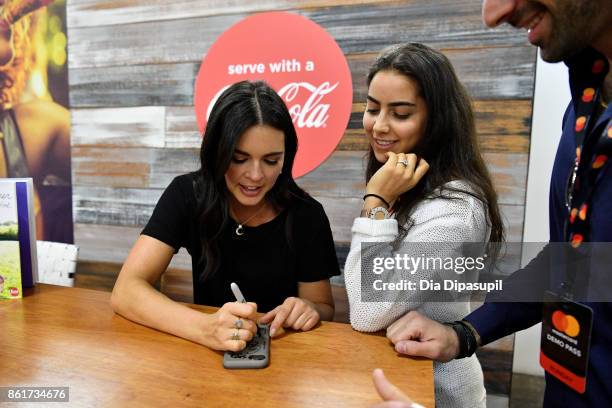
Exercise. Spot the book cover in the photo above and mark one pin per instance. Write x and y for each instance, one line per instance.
(18, 261)
(10, 259)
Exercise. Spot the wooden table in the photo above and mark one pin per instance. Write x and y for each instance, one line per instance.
(60, 336)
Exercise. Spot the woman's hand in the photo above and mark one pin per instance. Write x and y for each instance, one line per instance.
(296, 313)
(400, 173)
(231, 327)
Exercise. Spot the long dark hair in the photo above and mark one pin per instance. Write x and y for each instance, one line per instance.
(449, 143)
(241, 106)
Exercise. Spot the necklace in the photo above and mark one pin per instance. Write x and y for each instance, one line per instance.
(239, 229)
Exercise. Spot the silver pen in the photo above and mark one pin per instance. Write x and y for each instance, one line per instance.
(237, 293)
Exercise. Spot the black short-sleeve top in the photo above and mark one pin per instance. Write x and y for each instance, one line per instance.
(266, 267)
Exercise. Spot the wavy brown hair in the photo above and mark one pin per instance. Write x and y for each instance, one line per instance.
(15, 74)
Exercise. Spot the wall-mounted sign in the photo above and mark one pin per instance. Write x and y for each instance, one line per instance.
(301, 61)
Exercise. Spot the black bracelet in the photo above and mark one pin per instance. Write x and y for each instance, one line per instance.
(377, 196)
(458, 328)
(467, 340)
(473, 332)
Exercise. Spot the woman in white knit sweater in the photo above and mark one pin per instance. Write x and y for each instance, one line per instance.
(426, 183)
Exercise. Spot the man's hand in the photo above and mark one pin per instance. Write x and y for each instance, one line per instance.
(393, 396)
(416, 335)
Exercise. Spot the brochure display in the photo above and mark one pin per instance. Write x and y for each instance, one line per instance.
(18, 262)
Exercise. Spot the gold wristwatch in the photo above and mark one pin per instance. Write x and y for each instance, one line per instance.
(376, 213)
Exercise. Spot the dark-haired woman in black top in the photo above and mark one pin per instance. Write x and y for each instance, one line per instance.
(242, 219)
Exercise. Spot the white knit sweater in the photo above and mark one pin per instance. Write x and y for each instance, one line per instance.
(458, 383)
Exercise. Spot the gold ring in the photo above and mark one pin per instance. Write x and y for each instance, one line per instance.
(236, 335)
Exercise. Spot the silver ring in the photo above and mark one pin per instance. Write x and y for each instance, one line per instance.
(238, 324)
(403, 162)
(236, 335)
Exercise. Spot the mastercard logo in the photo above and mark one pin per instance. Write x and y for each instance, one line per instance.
(565, 323)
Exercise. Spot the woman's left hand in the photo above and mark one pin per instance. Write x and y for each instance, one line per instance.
(296, 313)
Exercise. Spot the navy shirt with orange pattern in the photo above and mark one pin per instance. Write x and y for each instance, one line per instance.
(587, 218)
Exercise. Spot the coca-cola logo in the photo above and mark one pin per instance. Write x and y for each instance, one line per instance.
(314, 113)
(300, 61)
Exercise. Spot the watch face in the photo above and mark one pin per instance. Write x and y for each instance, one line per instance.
(378, 213)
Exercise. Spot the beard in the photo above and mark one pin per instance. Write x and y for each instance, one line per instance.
(574, 27)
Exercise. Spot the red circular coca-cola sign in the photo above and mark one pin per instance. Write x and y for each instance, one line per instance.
(301, 61)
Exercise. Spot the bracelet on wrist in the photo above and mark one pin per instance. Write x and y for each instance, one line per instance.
(385, 202)
(467, 340)
(473, 331)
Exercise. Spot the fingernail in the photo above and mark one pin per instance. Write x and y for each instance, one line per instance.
(272, 332)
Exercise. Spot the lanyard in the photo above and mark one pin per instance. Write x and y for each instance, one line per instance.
(593, 143)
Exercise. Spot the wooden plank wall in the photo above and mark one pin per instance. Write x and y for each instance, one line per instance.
(132, 65)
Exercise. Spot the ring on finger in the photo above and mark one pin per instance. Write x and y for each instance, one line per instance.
(403, 162)
(236, 335)
(238, 324)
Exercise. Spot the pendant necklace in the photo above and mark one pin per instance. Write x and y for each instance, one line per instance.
(239, 229)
